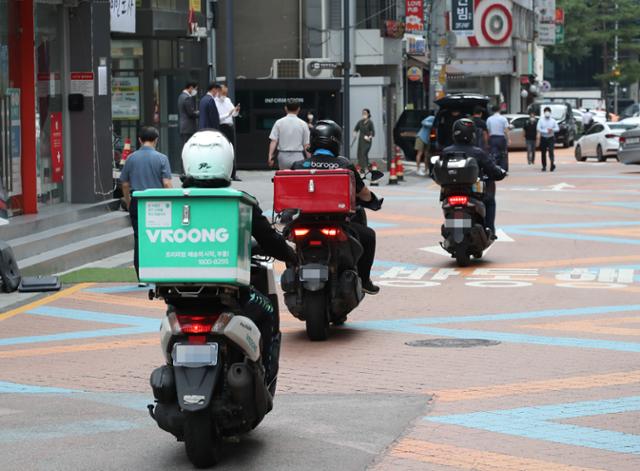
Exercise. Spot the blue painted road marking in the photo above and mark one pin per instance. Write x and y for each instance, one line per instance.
(117, 289)
(15, 388)
(533, 230)
(621, 204)
(134, 325)
(420, 326)
(52, 431)
(537, 423)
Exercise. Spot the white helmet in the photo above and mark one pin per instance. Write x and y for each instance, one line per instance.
(208, 155)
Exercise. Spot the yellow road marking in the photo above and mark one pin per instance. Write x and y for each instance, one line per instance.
(542, 386)
(86, 347)
(46, 300)
(470, 459)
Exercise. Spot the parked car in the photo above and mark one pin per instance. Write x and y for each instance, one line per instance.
(631, 110)
(629, 151)
(441, 135)
(406, 129)
(516, 133)
(563, 114)
(600, 141)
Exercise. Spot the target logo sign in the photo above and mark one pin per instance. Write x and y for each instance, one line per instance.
(493, 24)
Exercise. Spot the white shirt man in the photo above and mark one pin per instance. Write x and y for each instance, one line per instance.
(547, 127)
(290, 136)
(226, 109)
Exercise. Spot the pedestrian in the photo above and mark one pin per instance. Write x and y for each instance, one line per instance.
(188, 112)
(587, 119)
(498, 128)
(227, 111)
(530, 136)
(311, 120)
(144, 169)
(547, 127)
(209, 117)
(364, 128)
(289, 138)
(422, 145)
(482, 133)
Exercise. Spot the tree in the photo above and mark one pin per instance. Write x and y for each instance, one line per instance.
(591, 27)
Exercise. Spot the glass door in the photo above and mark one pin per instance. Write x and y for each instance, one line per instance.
(49, 132)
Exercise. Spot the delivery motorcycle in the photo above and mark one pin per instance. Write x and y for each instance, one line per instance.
(464, 232)
(213, 383)
(316, 207)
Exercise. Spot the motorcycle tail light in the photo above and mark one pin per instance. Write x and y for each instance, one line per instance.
(196, 324)
(331, 231)
(300, 232)
(315, 243)
(458, 200)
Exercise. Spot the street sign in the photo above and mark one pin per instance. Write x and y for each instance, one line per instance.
(559, 34)
(462, 17)
(546, 13)
(123, 16)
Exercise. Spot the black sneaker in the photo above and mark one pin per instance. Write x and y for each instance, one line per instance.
(369, 288)
(544, 169)
(553, 167)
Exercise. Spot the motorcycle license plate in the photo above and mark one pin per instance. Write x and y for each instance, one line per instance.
(195, 355)
(457, 223)
(314, 272)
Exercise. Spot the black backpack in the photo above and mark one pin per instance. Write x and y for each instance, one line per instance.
(9, 271)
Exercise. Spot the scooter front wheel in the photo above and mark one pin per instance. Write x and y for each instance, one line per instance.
(201, 441)
(315, 314)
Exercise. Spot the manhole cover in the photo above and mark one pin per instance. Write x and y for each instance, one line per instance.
(453, 343)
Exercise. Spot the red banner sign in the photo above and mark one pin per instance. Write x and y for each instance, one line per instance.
(414, 13)
(57, 154)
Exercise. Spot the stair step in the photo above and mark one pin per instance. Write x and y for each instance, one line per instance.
(36, 243)
(51, 217)
(78, 253)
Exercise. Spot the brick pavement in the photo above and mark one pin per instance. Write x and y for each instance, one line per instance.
(557, 392)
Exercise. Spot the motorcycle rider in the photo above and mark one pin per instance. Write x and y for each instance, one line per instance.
(208, 160)
(324, 146)
(464, 136)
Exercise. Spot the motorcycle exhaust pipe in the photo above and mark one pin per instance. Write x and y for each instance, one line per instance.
(241, 386)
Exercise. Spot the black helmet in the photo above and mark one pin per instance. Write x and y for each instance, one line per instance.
(464, 131)
(326, 135)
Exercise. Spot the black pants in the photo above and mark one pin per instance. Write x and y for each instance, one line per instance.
(367, 238)
(258, 307)
(489, 200)
(230, 133)
(133, 214)
(498, 148)
(547, 143)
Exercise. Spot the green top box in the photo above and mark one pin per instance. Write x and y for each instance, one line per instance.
(195, 235)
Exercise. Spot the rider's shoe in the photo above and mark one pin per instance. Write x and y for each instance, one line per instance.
(369, 288)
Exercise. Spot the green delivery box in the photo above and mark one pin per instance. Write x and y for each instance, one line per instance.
(194, 235)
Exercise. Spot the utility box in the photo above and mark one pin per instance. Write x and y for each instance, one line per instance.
(194, 235)
(315, 191)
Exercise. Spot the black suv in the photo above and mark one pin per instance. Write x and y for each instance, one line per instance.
(563, 114)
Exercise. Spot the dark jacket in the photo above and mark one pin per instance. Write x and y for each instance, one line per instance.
(490, 171)
(530, 130)
(187, 114)
(209, 117)
(271, 242)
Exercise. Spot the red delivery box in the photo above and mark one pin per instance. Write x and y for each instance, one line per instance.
(315, 191)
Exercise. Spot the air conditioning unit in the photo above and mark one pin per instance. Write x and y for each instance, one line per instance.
(320, 68)
(287, 68)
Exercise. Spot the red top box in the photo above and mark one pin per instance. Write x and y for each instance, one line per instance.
(315, 191)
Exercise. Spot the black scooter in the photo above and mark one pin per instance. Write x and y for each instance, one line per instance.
(464, 232)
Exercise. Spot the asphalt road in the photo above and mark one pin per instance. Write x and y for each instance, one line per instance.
(528, 359)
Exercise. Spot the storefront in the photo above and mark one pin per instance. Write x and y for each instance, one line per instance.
(41, 75)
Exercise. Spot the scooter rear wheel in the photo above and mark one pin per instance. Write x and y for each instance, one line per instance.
(315, 314)
(201, 441)
(463, 258)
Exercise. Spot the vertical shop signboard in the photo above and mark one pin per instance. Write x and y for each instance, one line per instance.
(414, 12)
(57, 154)
(462, 17)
